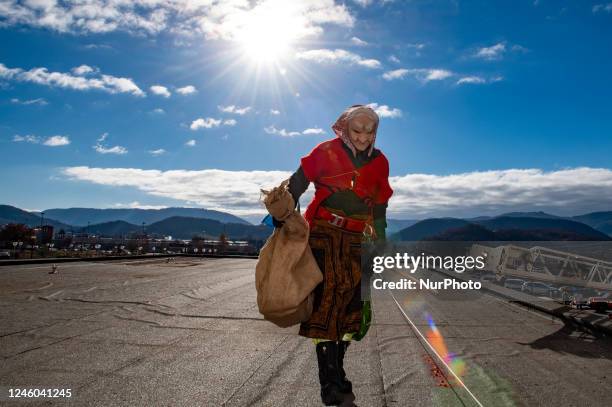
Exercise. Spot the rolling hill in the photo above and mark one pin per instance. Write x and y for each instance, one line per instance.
(182, 228)
(531, 223)
(601, 221)
(185, 228)
(395, 225)
(510, 228)
(539, 214)
(11, 214)
(475, 233)
(186, 222)
(605, 228)
(80, 216)
(428, 227)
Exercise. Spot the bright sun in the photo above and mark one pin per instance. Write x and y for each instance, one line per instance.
(267, 32)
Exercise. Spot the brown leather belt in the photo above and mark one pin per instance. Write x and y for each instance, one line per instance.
(343, 222)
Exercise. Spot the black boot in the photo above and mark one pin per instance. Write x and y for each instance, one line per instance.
(330, 376)
(346, 385)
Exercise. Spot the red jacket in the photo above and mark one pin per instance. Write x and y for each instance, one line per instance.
(331, 169)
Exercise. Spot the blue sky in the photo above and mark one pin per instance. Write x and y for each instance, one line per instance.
(486, 106)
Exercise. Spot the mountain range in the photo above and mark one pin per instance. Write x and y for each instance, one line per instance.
(84, 216)
(184, 228)
(511, 227)
(395, 225)
(601, 221)
(186, 222)
(162, 222)
(11, 214)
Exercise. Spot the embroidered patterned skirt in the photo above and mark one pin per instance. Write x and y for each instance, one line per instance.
(337, 299)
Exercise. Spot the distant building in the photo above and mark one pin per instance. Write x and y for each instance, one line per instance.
(61, 235)
(44, 234)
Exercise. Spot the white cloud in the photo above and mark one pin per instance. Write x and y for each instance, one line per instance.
(53, 141)
(395, 74)
(314, 130)
(519, 48)
(337, 56)
(274, 112)
(84, 70)
(568, 191)
(97, 46)
(497, 51)
(138, 205)
(563, 192)
(119, 150)
(477, 80)
(102, 137)
(423, 75)
(471, 79)
(493, 52)
(187, 90)
(366, 3)
(121, 85)
(226, 20)
(281, 132)
(300, 19)
(160, 90)
(158, 110)
(359, 42)
(37, 101)
(102, 149)
(190, 143)
(86, 17)
(27, 138)
(236, 192)
(229, 122)
(385, 111)
(9, 73)
(206, 123)
(234, 109)
(394, 59)
(56, 141)
(433, 74)
(42, 76)
(599, 8)
(418, 46)
(157, 152)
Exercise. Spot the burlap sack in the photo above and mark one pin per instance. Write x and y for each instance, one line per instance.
(279, 201)
(286, 273)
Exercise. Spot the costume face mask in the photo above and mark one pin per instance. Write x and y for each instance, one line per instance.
(361, 132)
(365, 120)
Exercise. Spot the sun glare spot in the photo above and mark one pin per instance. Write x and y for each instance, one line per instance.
(269, 31)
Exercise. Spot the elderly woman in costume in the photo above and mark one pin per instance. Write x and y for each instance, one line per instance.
(351, 194)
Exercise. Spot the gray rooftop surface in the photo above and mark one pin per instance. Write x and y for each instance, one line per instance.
(188, 333)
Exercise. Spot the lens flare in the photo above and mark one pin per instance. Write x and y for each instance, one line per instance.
(436, 340)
